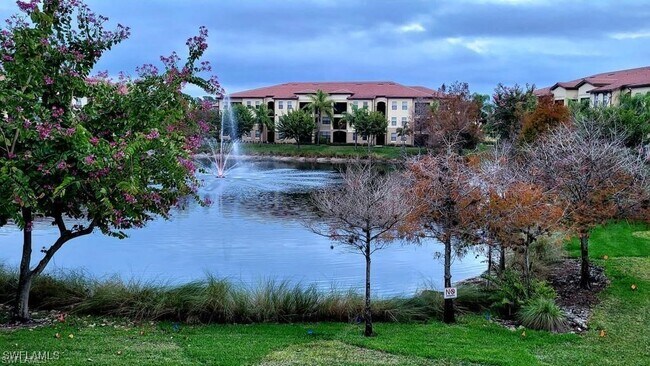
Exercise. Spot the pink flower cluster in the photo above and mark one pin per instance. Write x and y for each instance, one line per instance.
(28, 6)
(187, 164)
(198, 43)
(129, 198)
(152, 135)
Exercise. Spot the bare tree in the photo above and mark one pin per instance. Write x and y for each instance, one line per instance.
(363, 214)
(445, 208)
(594, 176)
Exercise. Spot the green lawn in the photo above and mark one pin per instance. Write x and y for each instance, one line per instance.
(624, 315)
(619, 239)
(329, 151)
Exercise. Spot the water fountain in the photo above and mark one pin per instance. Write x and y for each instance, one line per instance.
(224, 149)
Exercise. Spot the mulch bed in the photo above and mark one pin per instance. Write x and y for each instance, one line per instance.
(576, 302)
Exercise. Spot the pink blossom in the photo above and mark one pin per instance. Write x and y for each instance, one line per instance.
(187, 164)
(94, 140)
(129, 198)
(28, 6)
(44, 131)
(152, 135)
(62, 165)
(48, 80)
(57, 112)
(90, 159)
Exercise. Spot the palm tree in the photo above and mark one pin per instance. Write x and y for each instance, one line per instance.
(319, 104)
(264, 120)
(403, 132)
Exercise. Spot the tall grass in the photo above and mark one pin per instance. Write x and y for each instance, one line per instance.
(215, 300)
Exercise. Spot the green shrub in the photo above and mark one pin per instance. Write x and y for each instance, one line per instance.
(543, 314)
(511, 292)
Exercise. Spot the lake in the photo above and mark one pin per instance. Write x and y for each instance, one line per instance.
(251, 233)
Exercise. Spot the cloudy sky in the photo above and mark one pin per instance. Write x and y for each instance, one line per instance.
(482, 42)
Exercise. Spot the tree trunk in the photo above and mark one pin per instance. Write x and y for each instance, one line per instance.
(21, 307)
(367, 314)
(318, 124)
(369, 141)
(502, 259)
(527, 263)
(585, 280)
(448, 314)
(489, 270)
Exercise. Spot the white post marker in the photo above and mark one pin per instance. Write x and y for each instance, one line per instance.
(450, 293)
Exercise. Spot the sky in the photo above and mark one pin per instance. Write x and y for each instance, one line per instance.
(481, 42)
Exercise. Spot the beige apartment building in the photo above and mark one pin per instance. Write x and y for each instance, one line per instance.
(601, 89)
(397, 102)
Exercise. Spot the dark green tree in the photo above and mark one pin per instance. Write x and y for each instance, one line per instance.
(297, 125)
(244, 120)
(510, 106)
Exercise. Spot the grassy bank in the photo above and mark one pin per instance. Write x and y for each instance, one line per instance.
(623, 315)
(215, 300)
(329, 151)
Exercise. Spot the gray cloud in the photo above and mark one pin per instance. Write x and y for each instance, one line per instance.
(483, 42)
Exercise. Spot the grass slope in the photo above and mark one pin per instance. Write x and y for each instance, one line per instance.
(624, 315)
(318, 151)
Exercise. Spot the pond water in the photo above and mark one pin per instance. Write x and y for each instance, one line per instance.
(251, 233)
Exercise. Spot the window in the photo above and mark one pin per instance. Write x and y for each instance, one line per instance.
(257, 103)
(365, 138)
(393, 136)
(405, 106)
(257, 133)
(355, 104)
(393, 121)
(326, 120)
(354, 136)
(280, 105)
(365, 104)
(248, 103)
(403, 121)
(394, 106)
(289, 105)
(325, 135)
(605, 100)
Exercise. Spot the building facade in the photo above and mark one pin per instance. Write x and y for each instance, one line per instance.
(397, 102)
(600, 90)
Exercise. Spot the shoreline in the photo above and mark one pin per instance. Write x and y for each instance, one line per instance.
(302, 159)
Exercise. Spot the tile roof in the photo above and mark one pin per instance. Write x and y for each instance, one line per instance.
(357, 90)
(542, 91)
(612, 80)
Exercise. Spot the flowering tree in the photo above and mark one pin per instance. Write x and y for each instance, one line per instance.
(363, 214)
(446, 205)
(111, 164)
(595, 177)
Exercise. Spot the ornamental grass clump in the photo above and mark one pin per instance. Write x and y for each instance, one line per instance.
(543, 313)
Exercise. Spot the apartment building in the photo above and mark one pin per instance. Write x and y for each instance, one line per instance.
(397, 102)
(601, 89)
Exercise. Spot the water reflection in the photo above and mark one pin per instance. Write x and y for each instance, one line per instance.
(251, 233)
